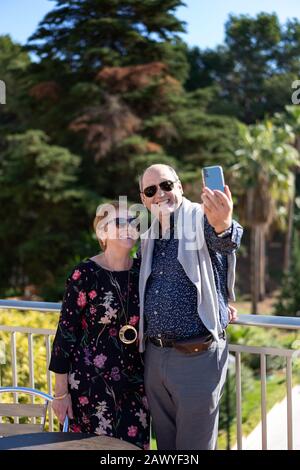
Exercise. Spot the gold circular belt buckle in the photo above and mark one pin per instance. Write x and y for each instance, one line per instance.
(125, 337)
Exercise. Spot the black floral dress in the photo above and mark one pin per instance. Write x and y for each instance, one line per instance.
(105, 374)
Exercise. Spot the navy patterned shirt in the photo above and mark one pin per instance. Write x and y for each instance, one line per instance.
(171, 297)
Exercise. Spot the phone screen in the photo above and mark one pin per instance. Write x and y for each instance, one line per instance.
(213, 177)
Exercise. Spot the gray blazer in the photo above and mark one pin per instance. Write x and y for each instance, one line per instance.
(194, 257)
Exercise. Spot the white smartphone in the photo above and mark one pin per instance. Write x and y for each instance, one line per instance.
(213, 178)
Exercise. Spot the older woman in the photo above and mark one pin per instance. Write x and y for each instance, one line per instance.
(98, 369)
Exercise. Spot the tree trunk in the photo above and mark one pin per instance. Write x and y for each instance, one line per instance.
(262, 262)
(289, 234)
(255, 267)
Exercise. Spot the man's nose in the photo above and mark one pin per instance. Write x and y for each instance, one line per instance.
(160, 192)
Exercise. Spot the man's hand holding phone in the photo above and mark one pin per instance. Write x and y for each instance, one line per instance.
(218, 205)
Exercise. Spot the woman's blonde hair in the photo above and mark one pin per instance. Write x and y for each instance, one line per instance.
(105, 209)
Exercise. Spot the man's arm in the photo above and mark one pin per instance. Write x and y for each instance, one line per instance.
(218, 208)
(227, 244)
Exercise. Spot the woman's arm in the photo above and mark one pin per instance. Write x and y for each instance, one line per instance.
(69, 329)
(68, 332)
(61, 384)
(62, 406)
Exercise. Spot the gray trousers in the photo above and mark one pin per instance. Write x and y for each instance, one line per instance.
(184, 392)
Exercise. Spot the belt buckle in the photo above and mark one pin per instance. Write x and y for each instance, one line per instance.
(160, 342)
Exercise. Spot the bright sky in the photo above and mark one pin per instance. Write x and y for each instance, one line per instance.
(205, 18)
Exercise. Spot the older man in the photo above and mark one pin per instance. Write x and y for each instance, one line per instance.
(186, 280)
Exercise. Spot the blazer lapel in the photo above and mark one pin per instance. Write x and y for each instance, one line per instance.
(188, 226)
(148, 239)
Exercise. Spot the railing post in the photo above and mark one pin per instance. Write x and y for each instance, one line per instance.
(263, 378)
(238, 400)
(49, 381)
(31, 368)
(289, 387)
(14, 368)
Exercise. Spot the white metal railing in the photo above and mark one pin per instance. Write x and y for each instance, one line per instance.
(30, 332)
(28, 305)
(265, 321)
(286, 323)
(289, 354)
(43, 307)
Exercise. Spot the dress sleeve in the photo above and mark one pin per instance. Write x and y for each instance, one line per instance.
(69, 329)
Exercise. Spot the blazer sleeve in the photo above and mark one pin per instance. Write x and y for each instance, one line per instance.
(226, 245)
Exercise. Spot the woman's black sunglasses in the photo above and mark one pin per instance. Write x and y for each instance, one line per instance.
(166, 186)
(123, 221)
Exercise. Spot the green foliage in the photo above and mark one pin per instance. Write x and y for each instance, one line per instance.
(228, 401)
(49, 194)
(33, 320)
(12, 57)
(91, 34)
(131, 157)
(52, 178)
(107, 91)
(260, 337)
(266, 160)
(14, 62)
(255, 67)
(250, 378)
(42, 209)
(288, 302)
(204, 138)
(30, 319)
(251, 410)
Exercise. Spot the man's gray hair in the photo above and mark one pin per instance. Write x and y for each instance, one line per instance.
(163, 164)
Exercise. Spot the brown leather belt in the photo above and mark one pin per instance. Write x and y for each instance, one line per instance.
(189, 345)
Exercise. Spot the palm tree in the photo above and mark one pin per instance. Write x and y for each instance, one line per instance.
(264, 178)
(293, 118)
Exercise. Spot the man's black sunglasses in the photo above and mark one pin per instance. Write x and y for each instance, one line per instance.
(166, 186)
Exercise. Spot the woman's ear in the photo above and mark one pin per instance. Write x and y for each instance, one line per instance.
(143, 199)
